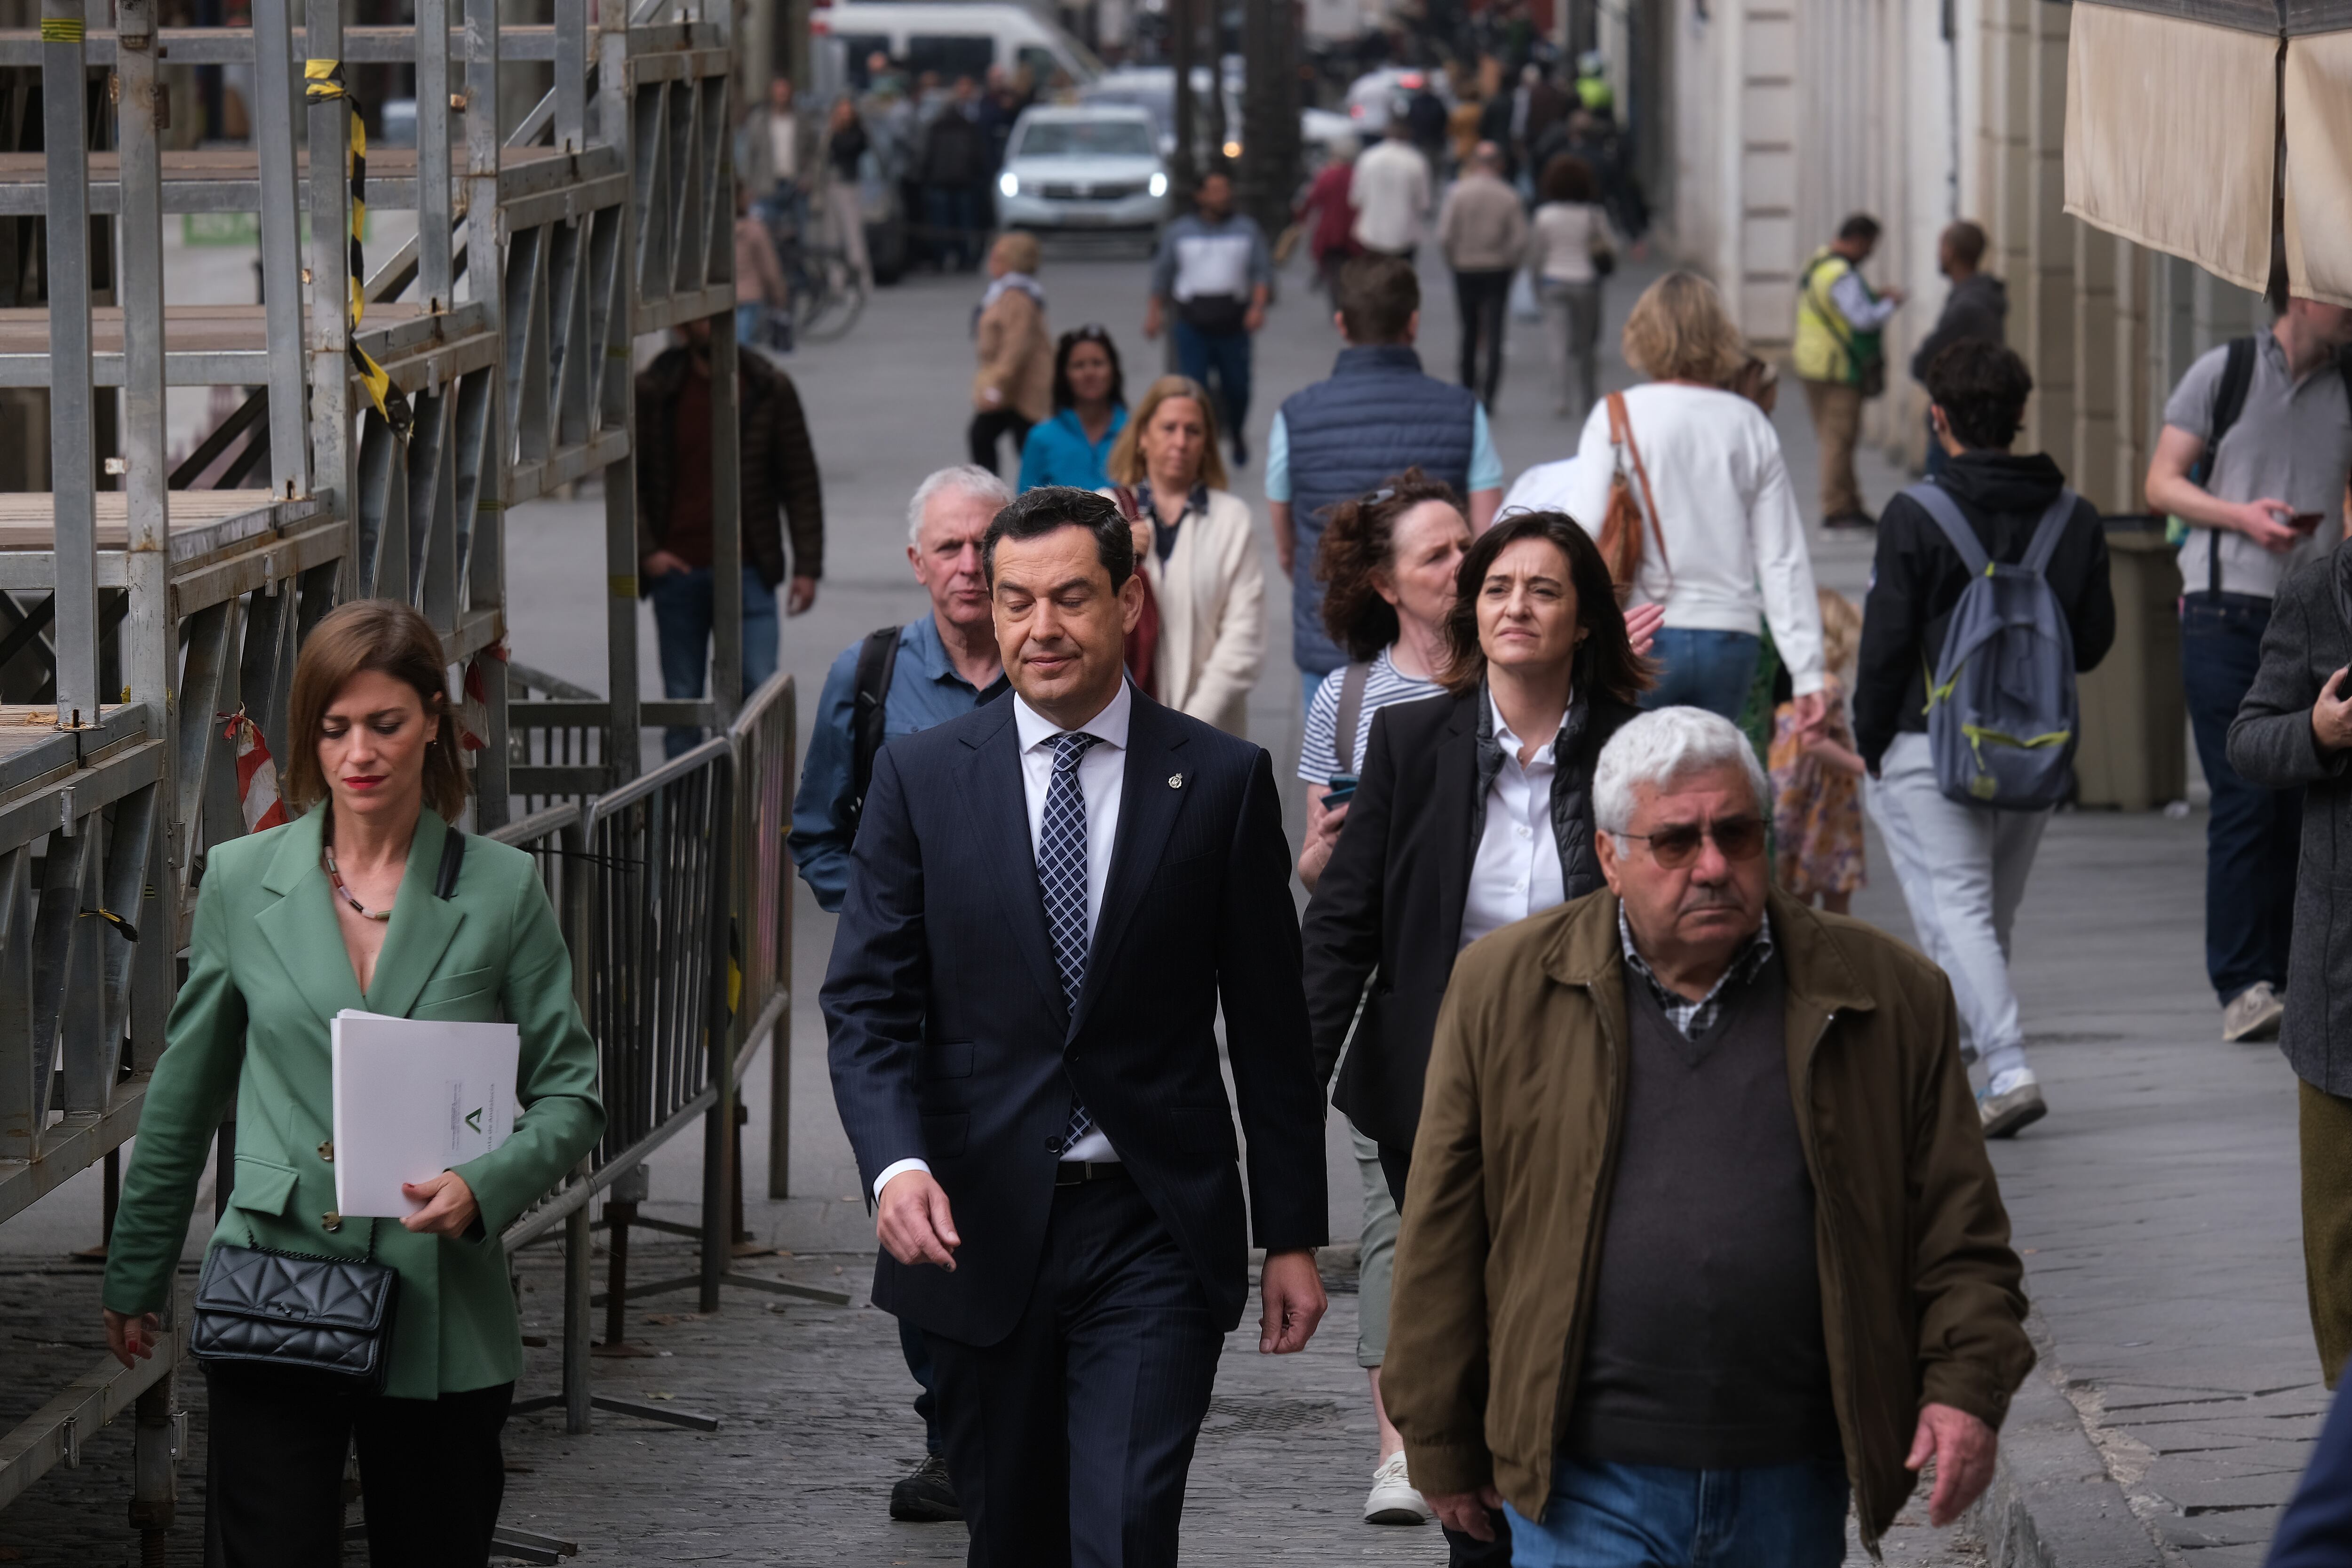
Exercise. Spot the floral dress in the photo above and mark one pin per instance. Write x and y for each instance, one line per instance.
(1817, 809)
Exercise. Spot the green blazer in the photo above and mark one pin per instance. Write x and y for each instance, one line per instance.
(267, 970)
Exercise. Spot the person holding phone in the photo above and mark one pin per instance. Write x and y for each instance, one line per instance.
(1474, 811)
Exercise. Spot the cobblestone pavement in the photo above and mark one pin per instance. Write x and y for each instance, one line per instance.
(815, 1425)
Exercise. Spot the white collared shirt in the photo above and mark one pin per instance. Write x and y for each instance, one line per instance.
(1516, 872)
(1102, 773)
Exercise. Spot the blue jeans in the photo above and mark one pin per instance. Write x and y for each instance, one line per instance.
(1220, 362)
(682, 625)
(1603, 1515)
(1704, 669)
(750, 321)
(1309, 683)
(2254, 836)
(956, 219)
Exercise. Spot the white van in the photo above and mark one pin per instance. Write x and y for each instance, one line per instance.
(954, 38)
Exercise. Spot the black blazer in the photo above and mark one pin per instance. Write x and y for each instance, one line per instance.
(1388, 908)
(950, 1042)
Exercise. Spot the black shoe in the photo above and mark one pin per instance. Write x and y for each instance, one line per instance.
(927, 1494)
(1850, 520)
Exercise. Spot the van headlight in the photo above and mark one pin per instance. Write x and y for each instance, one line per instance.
(1159, 186)
(1008, 183)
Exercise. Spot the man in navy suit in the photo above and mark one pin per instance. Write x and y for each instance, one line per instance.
(1049, 898)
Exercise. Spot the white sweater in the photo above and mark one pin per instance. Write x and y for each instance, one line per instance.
(1212, 596)
(1735, 542)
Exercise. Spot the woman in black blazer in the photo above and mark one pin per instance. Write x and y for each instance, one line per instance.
(1536, 638)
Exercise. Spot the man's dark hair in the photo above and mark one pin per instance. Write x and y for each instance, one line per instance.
(1981, 387)
(1038, 512)
(1967, 243)
(1567, 178)
(1861, 227)
(1378, 297)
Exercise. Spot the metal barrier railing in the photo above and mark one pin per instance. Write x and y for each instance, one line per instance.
(676, 897)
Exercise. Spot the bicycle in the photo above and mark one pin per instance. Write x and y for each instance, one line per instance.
(825, 291)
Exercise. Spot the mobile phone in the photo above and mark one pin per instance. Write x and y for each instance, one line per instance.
(2304, 521)
(1342, 786)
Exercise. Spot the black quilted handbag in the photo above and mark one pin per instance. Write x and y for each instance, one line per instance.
(328, 1316)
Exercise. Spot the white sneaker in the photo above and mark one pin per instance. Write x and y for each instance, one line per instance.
(1393, 1499)
(2252, 1014)
(2010, 1102)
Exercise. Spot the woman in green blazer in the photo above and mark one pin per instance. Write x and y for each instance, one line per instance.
(336, 910)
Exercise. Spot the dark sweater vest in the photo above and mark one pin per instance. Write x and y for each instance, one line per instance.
(1704, 1349)
(1374, 417)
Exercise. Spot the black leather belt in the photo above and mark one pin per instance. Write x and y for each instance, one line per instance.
(1078, 1172)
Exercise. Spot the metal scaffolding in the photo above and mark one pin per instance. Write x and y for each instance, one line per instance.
(558, 238)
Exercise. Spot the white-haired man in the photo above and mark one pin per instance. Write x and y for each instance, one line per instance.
(1719, 1149)
(895, 681)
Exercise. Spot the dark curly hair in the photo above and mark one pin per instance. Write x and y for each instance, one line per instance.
(1359, 538)
(1606, 661)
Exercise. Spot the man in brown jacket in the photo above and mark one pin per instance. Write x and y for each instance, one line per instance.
(1700, 1238)
(777, 484)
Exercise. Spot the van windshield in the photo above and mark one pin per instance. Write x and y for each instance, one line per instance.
(1087, 139)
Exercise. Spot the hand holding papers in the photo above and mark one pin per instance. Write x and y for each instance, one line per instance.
(415, 1097)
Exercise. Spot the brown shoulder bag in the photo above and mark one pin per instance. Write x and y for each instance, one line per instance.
(1620, 526)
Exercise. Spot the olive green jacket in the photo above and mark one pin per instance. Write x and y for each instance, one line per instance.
(267, 970)
(1922, 1298)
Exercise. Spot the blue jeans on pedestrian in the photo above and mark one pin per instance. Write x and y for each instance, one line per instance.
(2253, 835)
(1309, 683)
(1605, 1515)
(1703, 669)
(1220, 362)
(955, 214)
(682, 616)
(750, 324)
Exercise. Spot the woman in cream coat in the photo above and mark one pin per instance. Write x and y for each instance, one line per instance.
(1201, 557)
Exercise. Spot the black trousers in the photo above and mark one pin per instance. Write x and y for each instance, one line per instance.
(1484, 302)
(1461, 1551)
(1070, 1439)
(985, 430)
(431, 1472)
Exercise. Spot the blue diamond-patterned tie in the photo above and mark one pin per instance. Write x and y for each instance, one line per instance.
(1062, 879)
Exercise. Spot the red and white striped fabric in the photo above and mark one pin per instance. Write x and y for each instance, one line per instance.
(256, 775)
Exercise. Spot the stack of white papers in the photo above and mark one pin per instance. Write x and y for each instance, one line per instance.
(412, 1099)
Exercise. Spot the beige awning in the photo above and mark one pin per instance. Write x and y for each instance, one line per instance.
(2179, 113)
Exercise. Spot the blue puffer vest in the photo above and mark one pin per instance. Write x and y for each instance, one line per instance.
(1377, 415)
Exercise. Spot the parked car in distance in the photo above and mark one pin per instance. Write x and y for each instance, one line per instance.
(1370, 95)
(1092, 167)
(953, 37)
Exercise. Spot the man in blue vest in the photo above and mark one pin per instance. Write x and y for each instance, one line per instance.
(1376, 415)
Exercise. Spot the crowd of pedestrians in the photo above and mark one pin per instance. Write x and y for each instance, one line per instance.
(1612, 736)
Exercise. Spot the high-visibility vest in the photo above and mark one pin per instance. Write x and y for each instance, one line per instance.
(1595, 94)
(1826, 342)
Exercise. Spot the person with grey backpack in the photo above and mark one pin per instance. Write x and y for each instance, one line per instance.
(1988, 595)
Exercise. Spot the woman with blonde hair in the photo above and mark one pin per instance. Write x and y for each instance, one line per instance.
(1199, 552)
(1014, 388)
(1722, 545)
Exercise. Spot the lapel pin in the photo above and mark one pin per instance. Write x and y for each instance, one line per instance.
(1175, 781)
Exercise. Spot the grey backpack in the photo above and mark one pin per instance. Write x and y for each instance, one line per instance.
(2002, 703)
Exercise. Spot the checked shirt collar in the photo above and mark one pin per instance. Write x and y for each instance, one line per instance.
(1691, 1019)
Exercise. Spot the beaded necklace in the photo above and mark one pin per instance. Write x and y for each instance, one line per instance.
(336, 878)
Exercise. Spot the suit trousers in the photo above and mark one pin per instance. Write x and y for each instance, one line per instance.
(1837, 426)
(1482, 300)
(431, 1468)
(1070, 1439)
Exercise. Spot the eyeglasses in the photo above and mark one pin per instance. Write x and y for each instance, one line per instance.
(1739, 838)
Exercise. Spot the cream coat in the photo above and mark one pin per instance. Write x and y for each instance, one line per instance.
(1212, 596)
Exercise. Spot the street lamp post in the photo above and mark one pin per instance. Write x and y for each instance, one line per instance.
(1269, 170)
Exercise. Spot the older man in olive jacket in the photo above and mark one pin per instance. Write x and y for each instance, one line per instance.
(1700, 1238)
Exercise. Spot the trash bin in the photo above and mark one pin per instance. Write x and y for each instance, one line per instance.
(2132, 756)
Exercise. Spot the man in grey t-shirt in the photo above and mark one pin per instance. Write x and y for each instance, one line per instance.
(2270, 499)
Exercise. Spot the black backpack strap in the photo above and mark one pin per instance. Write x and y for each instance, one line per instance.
(453, 860)
(877, 660)
(2229, 401)
(1343, 722)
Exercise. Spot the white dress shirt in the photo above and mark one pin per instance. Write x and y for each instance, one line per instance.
(1516, 872)
(1102, 773)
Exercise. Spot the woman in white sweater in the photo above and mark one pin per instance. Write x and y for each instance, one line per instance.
(1728, 551)
(1202, 564)
(1572, 245)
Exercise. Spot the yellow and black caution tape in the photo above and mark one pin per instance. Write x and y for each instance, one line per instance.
(322, 82)
(61, 29)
